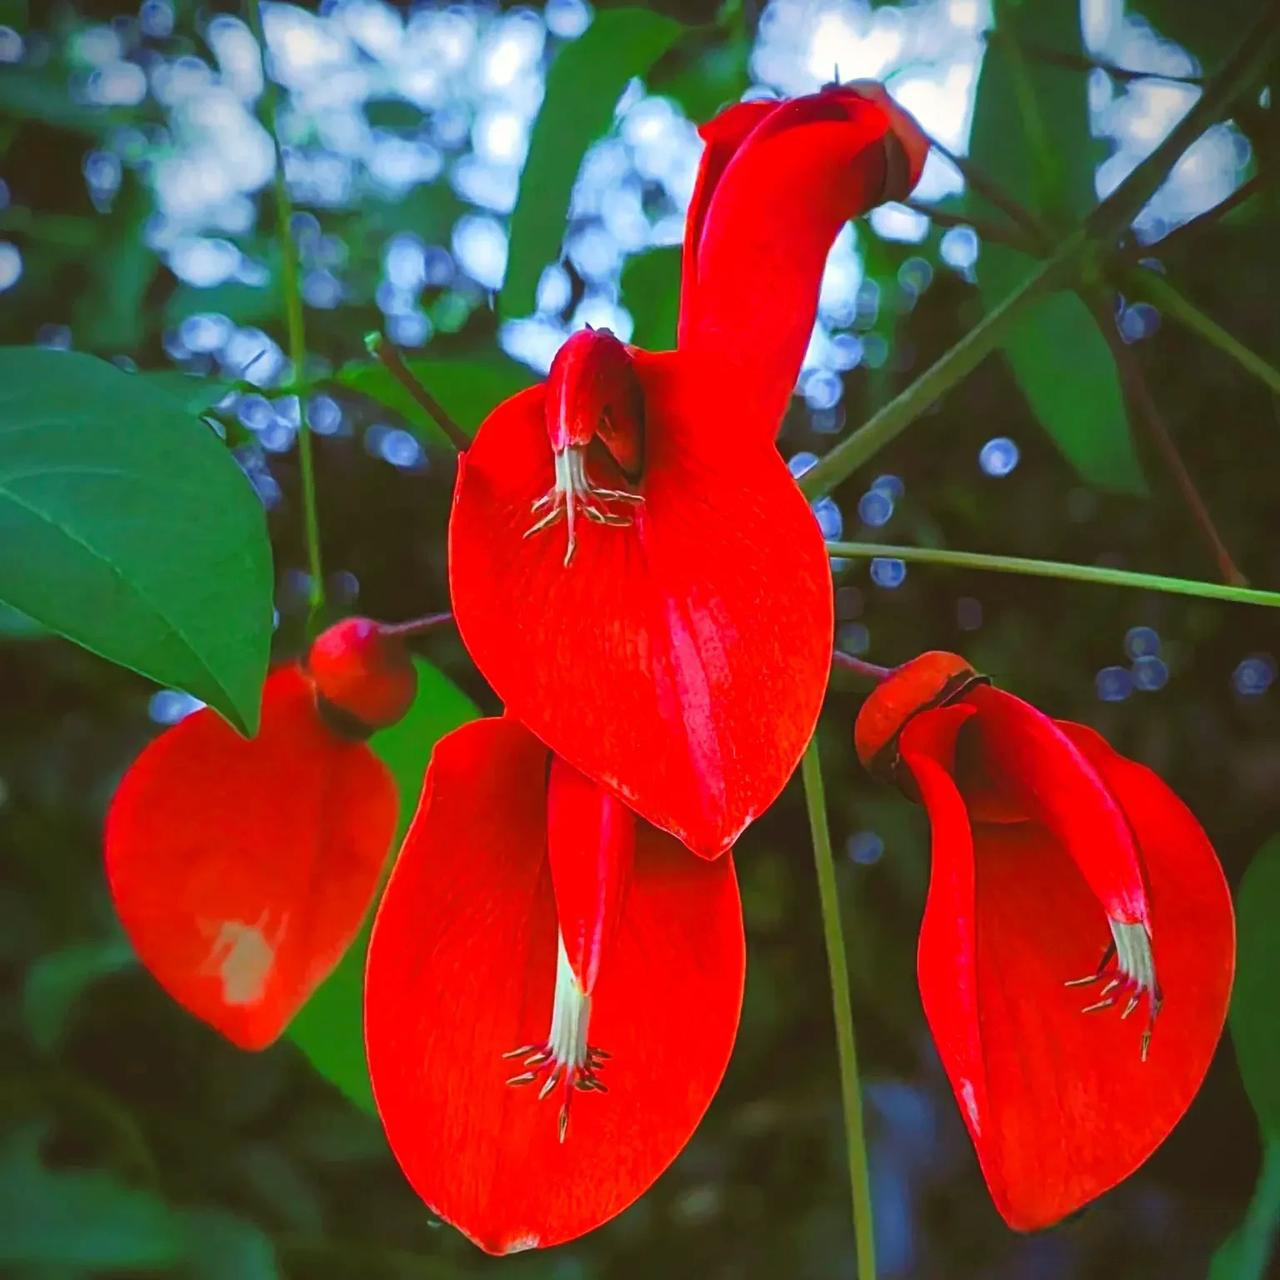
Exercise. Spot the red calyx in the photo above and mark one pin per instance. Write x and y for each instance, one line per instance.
(364, 672)
(593, 393)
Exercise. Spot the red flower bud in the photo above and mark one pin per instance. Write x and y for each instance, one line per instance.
(364, 671)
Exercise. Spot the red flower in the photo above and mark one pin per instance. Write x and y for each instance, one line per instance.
(242, 869)
(1071, 889)
(632, 566)
(552, 994)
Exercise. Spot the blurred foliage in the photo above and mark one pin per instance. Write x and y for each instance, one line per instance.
(134, 1141)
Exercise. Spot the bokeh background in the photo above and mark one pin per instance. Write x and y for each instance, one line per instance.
(135, 223)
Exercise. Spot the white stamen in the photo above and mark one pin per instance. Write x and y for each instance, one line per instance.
(573, 491)
(570, 1014)
(565, 1058)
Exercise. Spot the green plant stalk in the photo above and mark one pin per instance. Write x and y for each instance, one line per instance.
(294, 325)
(1058, 569)
(837, 962)
(1073, 257)
(1155, 289)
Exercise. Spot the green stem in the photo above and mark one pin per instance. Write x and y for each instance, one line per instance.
(838, 964)
(1155, 289)
(1071, 256)
(888, 422)
(294, 323)
(1058, 569)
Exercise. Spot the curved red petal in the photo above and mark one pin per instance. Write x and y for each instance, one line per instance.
(1029, 757)
(805, 169)
(591, 846)
(680, 660)
(1059, 1103)
(461, 970)
(241, 870)
(722, 136)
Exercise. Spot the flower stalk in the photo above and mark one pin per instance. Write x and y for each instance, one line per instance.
(1058, 569)
(294, 325)
(838, 964)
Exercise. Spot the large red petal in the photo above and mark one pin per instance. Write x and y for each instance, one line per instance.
(1059, 1103)
(680, 661)
(461, 971)
(241, 870)
(1030, 758)
(807, 168)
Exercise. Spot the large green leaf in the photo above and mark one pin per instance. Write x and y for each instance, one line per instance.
(330, 1027)
(1255, 1027)
(1246, 1252)
(467, 387)
(707, 71)
(583, 87)
(1209, 31)
(56, 981)
(83, 1219)
(651, 292)
(1031, 135)
(222, 1246)
(128, 528)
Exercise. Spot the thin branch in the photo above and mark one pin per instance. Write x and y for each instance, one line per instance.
(416, 626)
(994, 194)
(1158, 291)
(869, 670)
(1093, 573)
(294, 322)
(842, 1012)
(1078, 62)
(991, 231)
(390, 357)
(1190, 229)
(1145, 411)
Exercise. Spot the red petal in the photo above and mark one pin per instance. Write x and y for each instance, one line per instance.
(1029, 757)
(591, 845)
(1059, 1104)
(461, 971)
(680, 661)
(722, 135)
(807, 168)
(241, 870)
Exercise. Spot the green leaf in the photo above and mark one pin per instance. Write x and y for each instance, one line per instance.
(583, 87)
(42, 95)
(1031, 136)
(651, 292)
(1255, 1027)
(196, 395)
(129, 529)
(705, 72)
(73, 1218)
(1245, 1253)
(330, 1027)
(469, 388)
(222, 1246)
(1208, 31)
(17, 626)
(108, 315)
(56, 981)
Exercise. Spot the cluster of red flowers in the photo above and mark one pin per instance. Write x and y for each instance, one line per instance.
(555, 974)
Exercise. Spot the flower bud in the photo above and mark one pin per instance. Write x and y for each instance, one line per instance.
(926, 681)
(363, 671)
